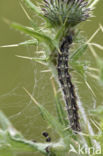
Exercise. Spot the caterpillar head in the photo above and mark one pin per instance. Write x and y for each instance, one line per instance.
(70, 12)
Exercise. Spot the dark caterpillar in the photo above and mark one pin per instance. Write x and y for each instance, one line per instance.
(66, 83)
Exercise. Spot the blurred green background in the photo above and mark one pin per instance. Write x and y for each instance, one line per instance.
(16, 73)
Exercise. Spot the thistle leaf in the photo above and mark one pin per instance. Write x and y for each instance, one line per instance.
(79, 67)
(25, 43)
(78, 53)
(97, 45)
(60, 33)
(59, 128)
(40, 60)
(32, 6)
(100, 65)
(12, 142)
(36, 9)
(37, 35)
(59, 108)
(4, 122)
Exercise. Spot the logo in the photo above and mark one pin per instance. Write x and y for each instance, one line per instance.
(84, 149)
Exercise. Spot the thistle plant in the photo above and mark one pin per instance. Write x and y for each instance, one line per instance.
(63, 16)
(59, 38)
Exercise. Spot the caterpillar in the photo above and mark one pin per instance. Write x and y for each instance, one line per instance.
(66, 83)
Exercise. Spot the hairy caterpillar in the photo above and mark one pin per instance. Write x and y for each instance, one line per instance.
(66, 83)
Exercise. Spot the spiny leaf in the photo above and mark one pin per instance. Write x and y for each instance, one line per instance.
(25, 43)
(46, 71)
(79, 67)
(36, 10)
(97, 112)
(29, 18)
(97, 45)
(32, 6)
(100, 65)
(60, 33)
(89, 87)
(60, 109)
(39, 60)
(4, 122)
(17, 144)
(78, 53)
(93, 35)
(49, 118)
(11, 141)
(37, 35)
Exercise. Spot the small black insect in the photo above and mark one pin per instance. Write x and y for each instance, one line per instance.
(46, 135)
